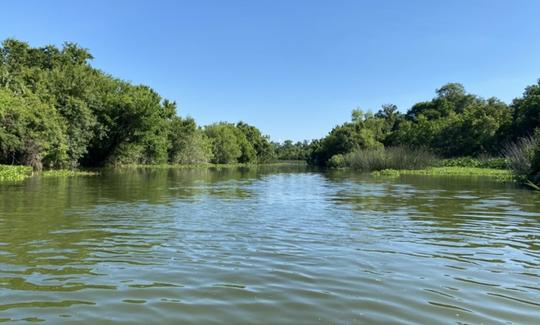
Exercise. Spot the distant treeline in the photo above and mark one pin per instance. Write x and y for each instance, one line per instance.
(57, 111)
(453, 124)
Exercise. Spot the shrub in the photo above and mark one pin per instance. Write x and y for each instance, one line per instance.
(337, 161)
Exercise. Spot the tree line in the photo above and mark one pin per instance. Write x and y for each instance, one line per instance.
(454, 123)
(57, 111)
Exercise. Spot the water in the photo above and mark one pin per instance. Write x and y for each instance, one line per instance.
(274, 246)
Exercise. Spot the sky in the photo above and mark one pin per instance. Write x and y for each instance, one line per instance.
(294, 68)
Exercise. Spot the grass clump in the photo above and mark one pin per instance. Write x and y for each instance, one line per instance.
(523, 159)
(14, 173)
(400, 157)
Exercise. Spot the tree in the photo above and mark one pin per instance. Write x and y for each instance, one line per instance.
(454, 123)
(189, 145)
(31, 132)
(365, 131)
(264, 151)
(526, 112)
(225, 146)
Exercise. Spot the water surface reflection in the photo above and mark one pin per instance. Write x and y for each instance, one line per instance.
(285, 245)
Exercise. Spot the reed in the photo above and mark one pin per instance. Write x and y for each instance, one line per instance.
(400, 157)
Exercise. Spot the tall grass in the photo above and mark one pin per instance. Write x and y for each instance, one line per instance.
(523, 158)
(400, 157)
(519, 155)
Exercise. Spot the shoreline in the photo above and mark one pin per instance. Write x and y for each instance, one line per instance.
(18, 173)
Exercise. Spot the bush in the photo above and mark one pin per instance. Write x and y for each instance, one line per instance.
(337, 161)
(400, 157)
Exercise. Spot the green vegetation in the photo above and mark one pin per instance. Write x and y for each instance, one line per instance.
(523, 159)
(9, 173)
(448, 171)
(14, 173)
(480, 162)
(464, 130)
(384, 158)
(57, 111)
(240, 143)
(292, 151)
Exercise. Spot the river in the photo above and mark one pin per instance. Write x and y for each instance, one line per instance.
(272, 245)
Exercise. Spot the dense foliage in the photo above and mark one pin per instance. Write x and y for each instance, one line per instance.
(56, 110)
(289, 150)
(453, 124)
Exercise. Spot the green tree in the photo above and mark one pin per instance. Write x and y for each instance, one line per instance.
(526, 112)
(189, 145)
(264, 151)
(225, 146)
(31, 132)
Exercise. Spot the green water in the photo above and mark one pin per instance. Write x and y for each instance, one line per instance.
(268, 245)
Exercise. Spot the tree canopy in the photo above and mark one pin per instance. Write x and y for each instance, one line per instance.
(454, 123)
(56, 110)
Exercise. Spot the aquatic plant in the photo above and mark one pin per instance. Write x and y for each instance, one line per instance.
(14, 173)
(400, 157)
(500, 174)
(479, 162)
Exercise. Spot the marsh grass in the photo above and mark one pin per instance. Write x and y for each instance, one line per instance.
(523, 158)
(399, 158)
(519, 156)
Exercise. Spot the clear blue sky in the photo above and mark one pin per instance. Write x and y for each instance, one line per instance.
(294, 68)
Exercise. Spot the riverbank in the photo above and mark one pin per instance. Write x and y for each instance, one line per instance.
(210, 165)
(9, 173)
(15, 173)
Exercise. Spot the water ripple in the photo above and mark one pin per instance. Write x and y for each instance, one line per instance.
(241, 246)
